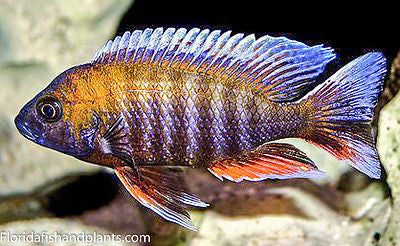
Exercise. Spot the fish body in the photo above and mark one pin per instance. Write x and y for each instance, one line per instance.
(175, 117)
(154, 101)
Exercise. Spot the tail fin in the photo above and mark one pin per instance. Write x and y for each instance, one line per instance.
(341, 110)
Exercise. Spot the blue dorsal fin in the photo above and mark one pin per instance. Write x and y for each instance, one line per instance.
(184, 47)
(279, 68)
(194, 49)
(224, 53)
(142, 45)
(213, 52)
(173, 47)
(236, 56)
(163, 46)
(152, 46)
(123, 45)
(133, 42)
(209, 43)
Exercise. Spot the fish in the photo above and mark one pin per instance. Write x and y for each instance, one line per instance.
(153, 103)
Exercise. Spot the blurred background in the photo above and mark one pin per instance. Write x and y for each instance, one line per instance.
(41, 190)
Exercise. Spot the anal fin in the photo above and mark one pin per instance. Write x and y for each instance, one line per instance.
(270, 161)
(162, 190)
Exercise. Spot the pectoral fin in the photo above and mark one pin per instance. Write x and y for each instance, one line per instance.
(270, 161)
(162, 190)
(115, 141)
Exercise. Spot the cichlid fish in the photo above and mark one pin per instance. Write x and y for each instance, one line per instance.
(154, 101)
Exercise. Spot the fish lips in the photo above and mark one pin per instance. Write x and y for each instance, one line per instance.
(26, 129)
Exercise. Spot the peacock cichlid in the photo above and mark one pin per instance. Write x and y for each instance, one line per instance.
(153, 102)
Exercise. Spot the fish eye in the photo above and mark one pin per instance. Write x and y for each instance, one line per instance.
(49, 109)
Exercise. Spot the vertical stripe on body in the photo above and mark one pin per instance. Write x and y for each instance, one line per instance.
(205, 118)
(167, 124)
(241, 114)
(231, 121)
(179, 137)
(141, 107)
(131, 121)
(219, 118)
(144, 145)
(191, 117)
(156, 117)
(264, 124)
(252, 117)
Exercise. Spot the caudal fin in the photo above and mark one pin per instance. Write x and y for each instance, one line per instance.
(341, 110)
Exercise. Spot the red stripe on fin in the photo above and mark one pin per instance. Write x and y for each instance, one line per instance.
(270, 161)
(162, 190)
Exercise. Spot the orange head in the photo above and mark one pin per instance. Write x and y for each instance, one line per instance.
(53, 119)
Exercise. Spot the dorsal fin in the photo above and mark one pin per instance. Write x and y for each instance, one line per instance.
(280, 68)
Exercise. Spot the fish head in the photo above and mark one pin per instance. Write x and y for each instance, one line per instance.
(43, 120)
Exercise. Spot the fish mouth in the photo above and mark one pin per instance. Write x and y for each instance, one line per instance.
(24, 129)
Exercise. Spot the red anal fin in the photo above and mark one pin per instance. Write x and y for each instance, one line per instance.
(270, 161)
(162, 190)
